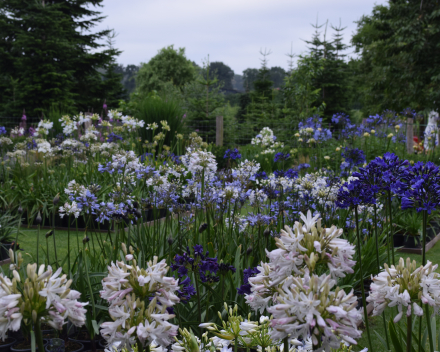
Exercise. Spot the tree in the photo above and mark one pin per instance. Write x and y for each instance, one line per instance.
(203, 97)
(224, 74)
(49, 56)
(399, 56)
(277, 75)
(333, 78)
(249, 77)
(169, 65)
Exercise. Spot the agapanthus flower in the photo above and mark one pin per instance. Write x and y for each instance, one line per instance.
(232, 154)
(420, 188)
(308, 306)
(50, 300)
(353, 157)
(2, 130)
(300, 250)
(354, 193)
(281, 157)
(138, 300)
(406, 288)
(245, 289)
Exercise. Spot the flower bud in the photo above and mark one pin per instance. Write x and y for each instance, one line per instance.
(266, 232)
(38, 219)
(49, 233)
(56, 199)
(249, 251)
(86, 239)
(20, 210)
(170, 240)
(34, 316)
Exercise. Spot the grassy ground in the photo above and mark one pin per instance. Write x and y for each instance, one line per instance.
(28, 241)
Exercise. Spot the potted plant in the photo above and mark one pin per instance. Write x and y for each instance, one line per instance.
(33, 295)
(8, 229)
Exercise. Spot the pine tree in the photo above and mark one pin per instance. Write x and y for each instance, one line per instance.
(49, 56)
(333, 78)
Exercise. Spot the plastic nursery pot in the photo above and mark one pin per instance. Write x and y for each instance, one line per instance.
(70, 346)
(25, 346)
(55, 345)
(103, 344)
(412, 241)
(5, 346)
(83, 337)
(398, 240)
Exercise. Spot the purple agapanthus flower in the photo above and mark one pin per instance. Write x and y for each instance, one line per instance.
(233, 154)
(246, 287)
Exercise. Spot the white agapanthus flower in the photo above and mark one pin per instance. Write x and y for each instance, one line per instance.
(70, 209)
(43, 146)
(50, 298)
(406, 288)
(200, 161)
(245, 170)
(43, 128)
(308, 307)
(300, 250)
(138, 299)
(131, 124)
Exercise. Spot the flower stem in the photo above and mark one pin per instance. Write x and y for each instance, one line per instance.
(286, 344)
(362, 277)
(408, 333)
(198, 302)
(39, 335)
(378, 270)
(53, 235)
(391, 225)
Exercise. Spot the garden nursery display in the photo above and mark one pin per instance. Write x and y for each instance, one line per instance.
(174, 244)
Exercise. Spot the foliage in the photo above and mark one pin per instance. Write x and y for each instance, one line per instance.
(399, 67)
(169, 65)
(56, 62)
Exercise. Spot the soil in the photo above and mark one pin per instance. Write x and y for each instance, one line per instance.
(6, 342)
(82, 335)
(72, 346)
(24, 345)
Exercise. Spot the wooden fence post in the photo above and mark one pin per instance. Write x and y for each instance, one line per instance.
(409, 136)
(219, 131)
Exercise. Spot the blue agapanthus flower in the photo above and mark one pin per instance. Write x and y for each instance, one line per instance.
(2, 130)
(233, 154)
(112, 137)
(420, 187)
(382, 173)
(354, 193)
(281, 157)
(341, 117)
(246, 287)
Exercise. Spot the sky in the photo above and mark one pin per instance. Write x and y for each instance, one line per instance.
(231, 31)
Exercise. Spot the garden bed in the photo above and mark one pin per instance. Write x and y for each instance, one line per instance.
(433, 236)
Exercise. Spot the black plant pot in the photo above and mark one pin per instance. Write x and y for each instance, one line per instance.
(6, 345)
(412, 242)
(4, 250)
(79, 348)
(398, 240)
(14, 347)
(83, 338)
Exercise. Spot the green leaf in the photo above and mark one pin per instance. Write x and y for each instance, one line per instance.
(95, 327)
(394, 338)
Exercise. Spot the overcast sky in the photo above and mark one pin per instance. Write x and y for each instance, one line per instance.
(231, 31)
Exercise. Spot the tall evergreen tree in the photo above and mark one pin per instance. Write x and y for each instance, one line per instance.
(224, 74)
(400, 56)
(49, 56)
(333, 79)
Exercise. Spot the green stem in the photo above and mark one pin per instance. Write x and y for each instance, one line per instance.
(198, 303)
(38, 245)
(378, 271)
(286, 344)
(39, 336)
(53, 235)
(408, 333)
(391, 226)
(362, 278)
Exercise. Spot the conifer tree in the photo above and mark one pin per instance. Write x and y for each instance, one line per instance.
(50, 56)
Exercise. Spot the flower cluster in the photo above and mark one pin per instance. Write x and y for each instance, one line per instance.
(406, 288)
(37, 294)
(302, 249)
(232, 154)
(139, 299)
